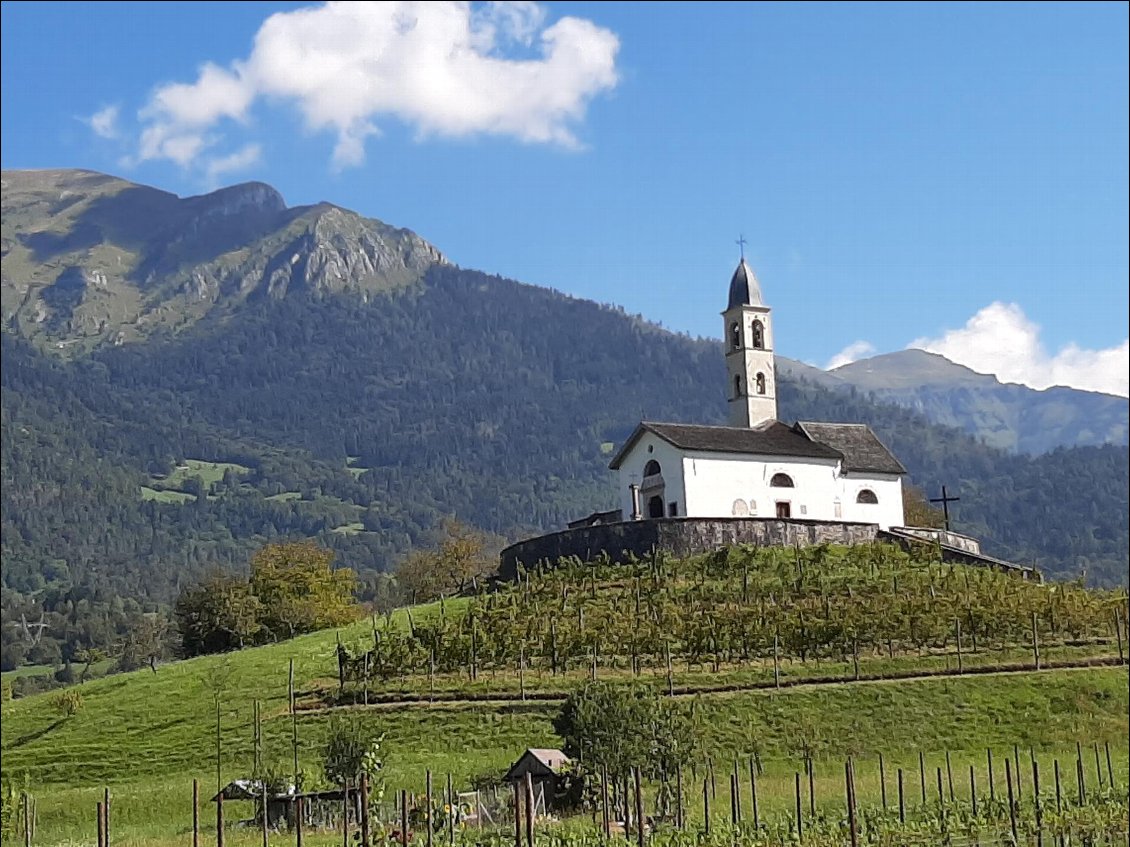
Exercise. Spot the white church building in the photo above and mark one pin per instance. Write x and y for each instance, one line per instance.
(757, 467)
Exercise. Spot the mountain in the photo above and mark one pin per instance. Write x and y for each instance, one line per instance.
(89, 259)
(361, 406)
(1005, 415)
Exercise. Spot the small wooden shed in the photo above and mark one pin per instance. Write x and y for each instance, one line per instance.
(545, 768)
(540, 763)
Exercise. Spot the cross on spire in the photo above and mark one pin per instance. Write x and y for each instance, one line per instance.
(945, 500)
(741, 242)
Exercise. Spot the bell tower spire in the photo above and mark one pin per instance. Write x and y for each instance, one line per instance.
(752, 389)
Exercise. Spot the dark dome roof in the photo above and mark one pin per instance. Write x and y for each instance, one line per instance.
(744, 287)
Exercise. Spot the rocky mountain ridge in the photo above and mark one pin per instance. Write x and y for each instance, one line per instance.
(90, 259)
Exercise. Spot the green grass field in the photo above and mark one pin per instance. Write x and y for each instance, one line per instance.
(148, 735)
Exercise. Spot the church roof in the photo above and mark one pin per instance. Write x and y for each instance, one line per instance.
(745, 290)
(861, 448)
(771, 438)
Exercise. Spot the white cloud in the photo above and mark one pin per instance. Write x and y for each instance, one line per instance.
(104, 122)
(248, 155)
(1001, 340)
(444, 68)
(853, 352)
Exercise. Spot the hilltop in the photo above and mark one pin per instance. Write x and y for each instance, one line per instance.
(307, 372)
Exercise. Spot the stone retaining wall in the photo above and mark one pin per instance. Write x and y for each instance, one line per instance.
(679, 537)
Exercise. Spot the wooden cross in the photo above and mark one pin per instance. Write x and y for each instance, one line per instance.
(945, 500)
(741, 242)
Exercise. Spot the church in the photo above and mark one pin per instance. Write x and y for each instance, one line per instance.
(757, 466)
(688, 488)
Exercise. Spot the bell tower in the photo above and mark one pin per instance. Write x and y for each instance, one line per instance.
(751, 388)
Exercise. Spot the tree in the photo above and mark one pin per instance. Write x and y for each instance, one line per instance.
(352, 750)
(614, 727)
(300, 590)
(219, 614)
(144, 643)
(918, 511)
(462, 555)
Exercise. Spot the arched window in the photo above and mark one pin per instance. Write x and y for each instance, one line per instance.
(655, 507)
(737, 385)
(761, 383)
(781, 480)
(735, 336)
(758, 335)
(739, 509)
(867, 496)
(651, 468)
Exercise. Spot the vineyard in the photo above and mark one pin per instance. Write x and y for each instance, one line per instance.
(768, 616)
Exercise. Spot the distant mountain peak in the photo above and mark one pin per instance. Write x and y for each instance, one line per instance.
(90, 259)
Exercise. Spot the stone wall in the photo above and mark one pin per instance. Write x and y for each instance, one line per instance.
(679, 537)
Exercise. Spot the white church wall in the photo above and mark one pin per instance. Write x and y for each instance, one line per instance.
(739, 486)
(887, 489)
(651, 448)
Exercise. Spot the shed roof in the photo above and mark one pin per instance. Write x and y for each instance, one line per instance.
(861, 448)
(537, 761)
(771, 438)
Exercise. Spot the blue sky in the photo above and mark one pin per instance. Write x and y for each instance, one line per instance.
(950, 176)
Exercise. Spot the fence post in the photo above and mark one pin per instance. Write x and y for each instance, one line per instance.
(733, 802)
(452, 809)
(220, 820)
(1035, 643)
(973, 789)
(605, 818)
(922, 775)
(264, 810)
(428, 807)
(679, 822)
(776, 660)
(101, 825)
(1036, 800)
(345, 815)
(799, 810)
(960, 666)
(706, 805)
(517, 815)
(298, 810)
(1109, 769)
(1011, 801)
(883, 781)
(949, 776)
(364, 810)
(1098, 767)
(811, 787)
(106, 812)
(753, 795)
(404, 818)
(1079, 774)
(195, 813)
(1058, 790)
(902, 801)
(639, 808)
(850, 791)
(529, 809)
(992, 782)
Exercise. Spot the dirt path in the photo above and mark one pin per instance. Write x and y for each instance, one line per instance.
(461, 700)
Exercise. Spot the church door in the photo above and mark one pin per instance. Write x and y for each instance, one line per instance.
(784, 510)
(655, 507)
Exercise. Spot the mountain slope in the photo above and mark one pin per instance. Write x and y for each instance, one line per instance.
(1012, 417)
(89, 259)
(362, 408)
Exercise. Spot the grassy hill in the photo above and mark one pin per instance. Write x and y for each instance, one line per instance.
(147, 735)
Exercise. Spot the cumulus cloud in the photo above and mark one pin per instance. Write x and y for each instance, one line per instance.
(1001, 340)
(242, 159)
(853, 352)
(448, 69)
(104, 122)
